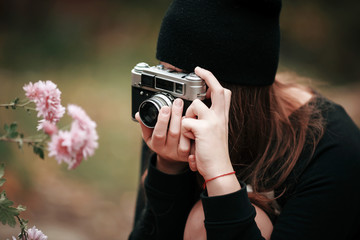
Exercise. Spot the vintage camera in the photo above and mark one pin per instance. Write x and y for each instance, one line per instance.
(156, 86)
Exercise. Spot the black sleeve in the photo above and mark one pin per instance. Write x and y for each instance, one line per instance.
(146, 153)
(169, 199)
(230, 216)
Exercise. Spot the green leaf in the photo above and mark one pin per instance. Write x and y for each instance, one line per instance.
(21, 208)
(11, 131)
(6, 127)
(13, 135)
(2, 170)
(2, 181)
(13, 127)
(7, 212)
(39, 151)
(16, 100)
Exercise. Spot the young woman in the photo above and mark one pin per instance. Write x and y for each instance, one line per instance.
(297, 151)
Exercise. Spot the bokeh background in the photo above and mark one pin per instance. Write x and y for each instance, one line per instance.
(88, 48)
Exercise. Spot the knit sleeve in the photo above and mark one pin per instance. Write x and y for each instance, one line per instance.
(169, 199)
(230, 216)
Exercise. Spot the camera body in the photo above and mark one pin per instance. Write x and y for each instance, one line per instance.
(156, 86)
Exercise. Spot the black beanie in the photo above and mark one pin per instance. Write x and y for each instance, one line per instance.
(237, 40)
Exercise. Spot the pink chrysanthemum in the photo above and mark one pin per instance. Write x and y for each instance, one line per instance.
(32, 91)
(36, 234)
(48, 127)
(82, 122)
(60, 147)
(77, 144)
(46, 96)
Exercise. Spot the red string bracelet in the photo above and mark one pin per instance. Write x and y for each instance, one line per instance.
(222, 175)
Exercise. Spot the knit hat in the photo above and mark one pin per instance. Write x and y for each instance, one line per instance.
(237, 40)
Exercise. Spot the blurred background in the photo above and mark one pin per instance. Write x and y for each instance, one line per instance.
(88, 48)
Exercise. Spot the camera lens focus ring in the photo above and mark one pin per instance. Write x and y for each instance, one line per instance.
(149, 109)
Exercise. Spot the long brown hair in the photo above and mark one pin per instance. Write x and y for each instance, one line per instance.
(265, 142)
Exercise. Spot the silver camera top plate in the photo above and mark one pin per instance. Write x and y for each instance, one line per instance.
(157, 78)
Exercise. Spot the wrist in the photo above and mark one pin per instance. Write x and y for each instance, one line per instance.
(221, 180)
(223, 184)
(170, 166)
(217, 170)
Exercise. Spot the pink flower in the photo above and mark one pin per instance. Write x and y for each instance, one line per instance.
(36, 234)
(48, 127)
(31, 91)
(60, 147)
(46, 96)
(77, 144)
(82, 123)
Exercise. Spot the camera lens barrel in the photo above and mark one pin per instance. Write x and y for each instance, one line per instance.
(149, 109)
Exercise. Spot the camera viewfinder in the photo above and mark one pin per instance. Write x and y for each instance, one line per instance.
(179, 88)
(164, 84)
(147, 80)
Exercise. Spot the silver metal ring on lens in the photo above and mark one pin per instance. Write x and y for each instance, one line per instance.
(158, 101)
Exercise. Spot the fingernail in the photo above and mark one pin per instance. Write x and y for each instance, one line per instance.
(178, 102)
(165, 110)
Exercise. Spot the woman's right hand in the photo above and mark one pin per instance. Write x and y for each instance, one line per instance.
(166, 140)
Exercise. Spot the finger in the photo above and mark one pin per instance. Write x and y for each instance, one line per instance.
(189, 127)
(208, 93)
(189, 135)
(173, 134)
(175, 123)
(158, 138)
(197, 109)
(184, 147)
(169, 66)
(227, 103)
(217, 91)
(192, 163)
(146, 132)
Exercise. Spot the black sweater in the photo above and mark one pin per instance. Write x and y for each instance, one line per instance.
(321, 202)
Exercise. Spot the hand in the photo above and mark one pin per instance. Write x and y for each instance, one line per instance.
(167, 141)
(209, 128)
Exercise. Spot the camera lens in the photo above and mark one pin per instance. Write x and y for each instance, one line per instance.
(149, 109)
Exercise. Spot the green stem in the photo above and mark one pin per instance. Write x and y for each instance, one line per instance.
(23, 229)
(15, 105)
(19, 140)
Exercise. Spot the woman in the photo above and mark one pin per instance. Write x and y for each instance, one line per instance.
(297, 150)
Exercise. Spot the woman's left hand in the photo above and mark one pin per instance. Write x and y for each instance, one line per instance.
(209, 128)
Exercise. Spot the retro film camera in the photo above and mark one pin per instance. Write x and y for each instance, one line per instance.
(155, 87)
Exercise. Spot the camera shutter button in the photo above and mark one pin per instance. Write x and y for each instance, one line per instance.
(141, 66)
(193, 77)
